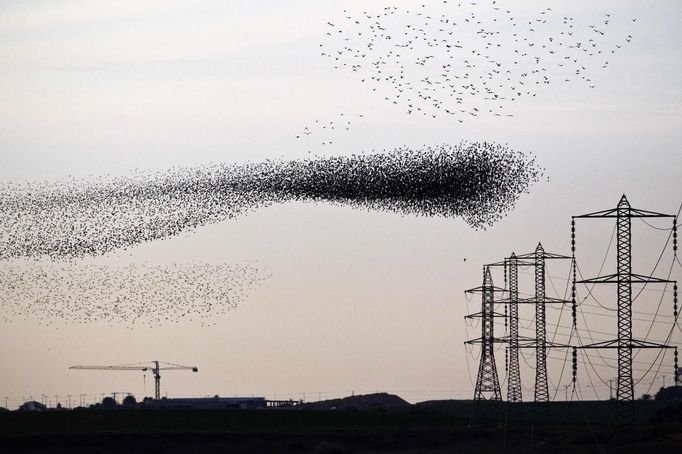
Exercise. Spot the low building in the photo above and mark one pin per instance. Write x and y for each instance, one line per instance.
(207, 403)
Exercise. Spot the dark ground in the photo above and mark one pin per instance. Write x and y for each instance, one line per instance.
(431, 427)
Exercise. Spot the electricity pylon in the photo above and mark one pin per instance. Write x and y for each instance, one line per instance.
(487, 381)
(540, 300)
(624, 278)
(514, 391)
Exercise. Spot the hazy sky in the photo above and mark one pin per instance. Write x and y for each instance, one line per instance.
(358, 301)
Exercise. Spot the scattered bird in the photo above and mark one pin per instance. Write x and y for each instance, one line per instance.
(417, 58)
(322, 130)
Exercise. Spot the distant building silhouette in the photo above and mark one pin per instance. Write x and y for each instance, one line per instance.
(215, 402)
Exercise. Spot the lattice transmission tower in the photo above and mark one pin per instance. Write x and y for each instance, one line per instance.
(514, 388)
(511, 273)
(623, 279)
(487, 381)
(540, 344)
(540, 300)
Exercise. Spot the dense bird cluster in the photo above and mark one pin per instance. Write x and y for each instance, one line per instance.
(465, 59)
(478, 182)
(134, 295)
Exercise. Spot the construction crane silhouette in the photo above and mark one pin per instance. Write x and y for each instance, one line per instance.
(156, 368)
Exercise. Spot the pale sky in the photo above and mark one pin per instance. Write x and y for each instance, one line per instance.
(358, 301)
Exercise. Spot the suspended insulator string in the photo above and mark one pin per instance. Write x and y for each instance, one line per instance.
(675, 236)
(573, 237)
(573, 296)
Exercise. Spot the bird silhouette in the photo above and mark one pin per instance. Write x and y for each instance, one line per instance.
(418, 57)
(77, 218)
(74, 292)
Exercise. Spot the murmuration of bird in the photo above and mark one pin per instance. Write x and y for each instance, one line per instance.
(131, 296)
(478, 182)
(462, 60)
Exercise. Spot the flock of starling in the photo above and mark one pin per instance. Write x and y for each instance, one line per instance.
(129, 296)
(477, 182)
(47, 228)
(461, 62)
(464, 59)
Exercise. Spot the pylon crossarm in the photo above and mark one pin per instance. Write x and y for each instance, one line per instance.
(634, 213)
(485, 289)
(481, 315)
(546, 255)
(525, 262)
(632, 343)
(502, 263)
(632, 279)
(533, 300)
(478, 340)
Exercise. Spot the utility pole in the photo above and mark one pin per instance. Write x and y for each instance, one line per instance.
(624, 278)
(566, 392)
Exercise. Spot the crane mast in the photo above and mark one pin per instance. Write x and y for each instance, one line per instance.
(154, 366)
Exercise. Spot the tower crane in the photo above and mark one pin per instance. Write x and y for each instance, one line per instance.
(155, 366)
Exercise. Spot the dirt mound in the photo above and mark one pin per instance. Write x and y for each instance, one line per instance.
(376, 401)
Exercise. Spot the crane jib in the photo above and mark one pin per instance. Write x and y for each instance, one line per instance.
(156, 368)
